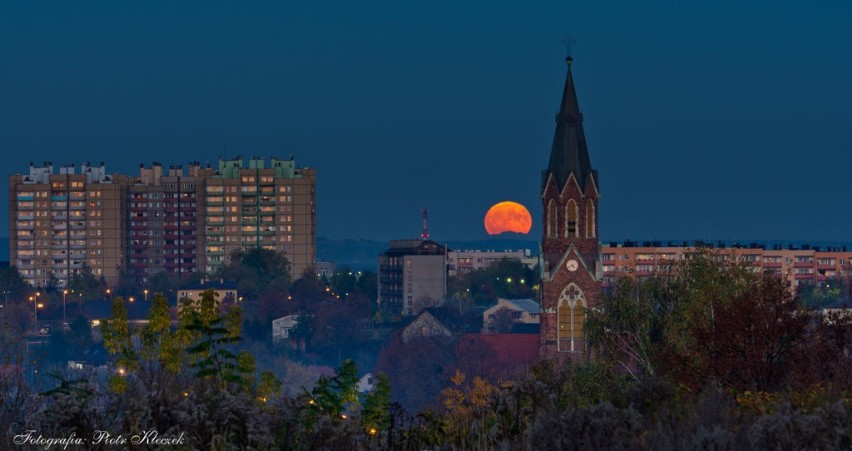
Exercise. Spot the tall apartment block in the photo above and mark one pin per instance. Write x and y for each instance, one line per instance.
(163, 228)
(255, 206)
(168, 220)
(61, 222)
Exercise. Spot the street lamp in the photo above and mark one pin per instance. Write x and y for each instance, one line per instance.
(146, 294)
(108, 291)
(35, 313)
(36, 305)
(35, 308)
(64, 319)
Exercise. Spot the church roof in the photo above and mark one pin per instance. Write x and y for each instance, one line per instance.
(569, 153)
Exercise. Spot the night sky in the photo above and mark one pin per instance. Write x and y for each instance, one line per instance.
(729, 120)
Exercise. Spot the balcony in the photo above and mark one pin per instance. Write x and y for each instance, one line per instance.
(799, 264)
(767, 264)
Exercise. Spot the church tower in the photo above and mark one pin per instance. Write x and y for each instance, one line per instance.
(570, 252)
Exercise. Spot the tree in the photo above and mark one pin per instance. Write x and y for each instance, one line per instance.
(255, 270)
(85, 285)
(333, 328)
(212, 353)
(421, 366)
(375, 413)
(339, 393)
(648, 326)
(80, 334)
(308, 289)
(118, 343)
(507, 278)
(750, 342)
(14, 287)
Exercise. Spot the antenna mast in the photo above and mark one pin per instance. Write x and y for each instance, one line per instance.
(425, 234)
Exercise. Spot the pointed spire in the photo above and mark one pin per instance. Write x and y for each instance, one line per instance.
(569, 153)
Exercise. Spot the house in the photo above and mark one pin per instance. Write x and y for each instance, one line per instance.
(435, 322)
(508, 313)
(367, 383)
(223, 292)
(282, 327)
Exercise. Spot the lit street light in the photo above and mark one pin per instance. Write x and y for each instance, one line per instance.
(146, 294)
(64, 319)
(36, 306)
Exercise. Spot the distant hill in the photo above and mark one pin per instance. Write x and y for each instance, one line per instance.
(356, 254)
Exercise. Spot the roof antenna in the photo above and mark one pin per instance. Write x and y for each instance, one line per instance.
(425, 234)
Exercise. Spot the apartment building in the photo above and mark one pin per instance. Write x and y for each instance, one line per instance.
(161, 220)
(465, 261)
(61, 222)
(249, 206)
(163, 226)
(412, 276)
(798, 264)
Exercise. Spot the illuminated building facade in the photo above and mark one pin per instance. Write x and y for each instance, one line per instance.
(258, 206)
(799, 265)
(61, 222)
(412, 276)
(163, 227)
(163, 220)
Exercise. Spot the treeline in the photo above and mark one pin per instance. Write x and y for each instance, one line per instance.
(706, 355)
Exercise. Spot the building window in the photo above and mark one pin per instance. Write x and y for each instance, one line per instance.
(590, 219)
(571, 219)
(551, 219)
(571, 318)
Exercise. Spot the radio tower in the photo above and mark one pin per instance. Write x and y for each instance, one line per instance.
(425, 234)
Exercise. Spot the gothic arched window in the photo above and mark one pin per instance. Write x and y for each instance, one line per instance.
(590, 219)
(571, 219)
(551, 219)
(571, 317)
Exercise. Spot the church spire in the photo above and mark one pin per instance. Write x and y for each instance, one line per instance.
(569, 153)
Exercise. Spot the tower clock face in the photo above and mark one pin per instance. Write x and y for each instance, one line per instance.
(572, 265)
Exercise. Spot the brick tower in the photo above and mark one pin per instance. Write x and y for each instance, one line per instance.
(570, 253)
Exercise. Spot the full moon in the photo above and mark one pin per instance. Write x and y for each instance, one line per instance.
(507, 217)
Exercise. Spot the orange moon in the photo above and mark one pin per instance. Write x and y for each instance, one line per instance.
(508, 217)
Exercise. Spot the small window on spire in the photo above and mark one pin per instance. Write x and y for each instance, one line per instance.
(571, 219)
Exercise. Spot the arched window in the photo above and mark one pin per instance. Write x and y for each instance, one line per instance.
(590, 219)
(571, 219)
(571, 317)
(551, 219)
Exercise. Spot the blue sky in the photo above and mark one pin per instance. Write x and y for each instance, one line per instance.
(725, 120)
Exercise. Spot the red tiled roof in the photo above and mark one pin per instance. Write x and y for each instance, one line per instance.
(509, 349)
